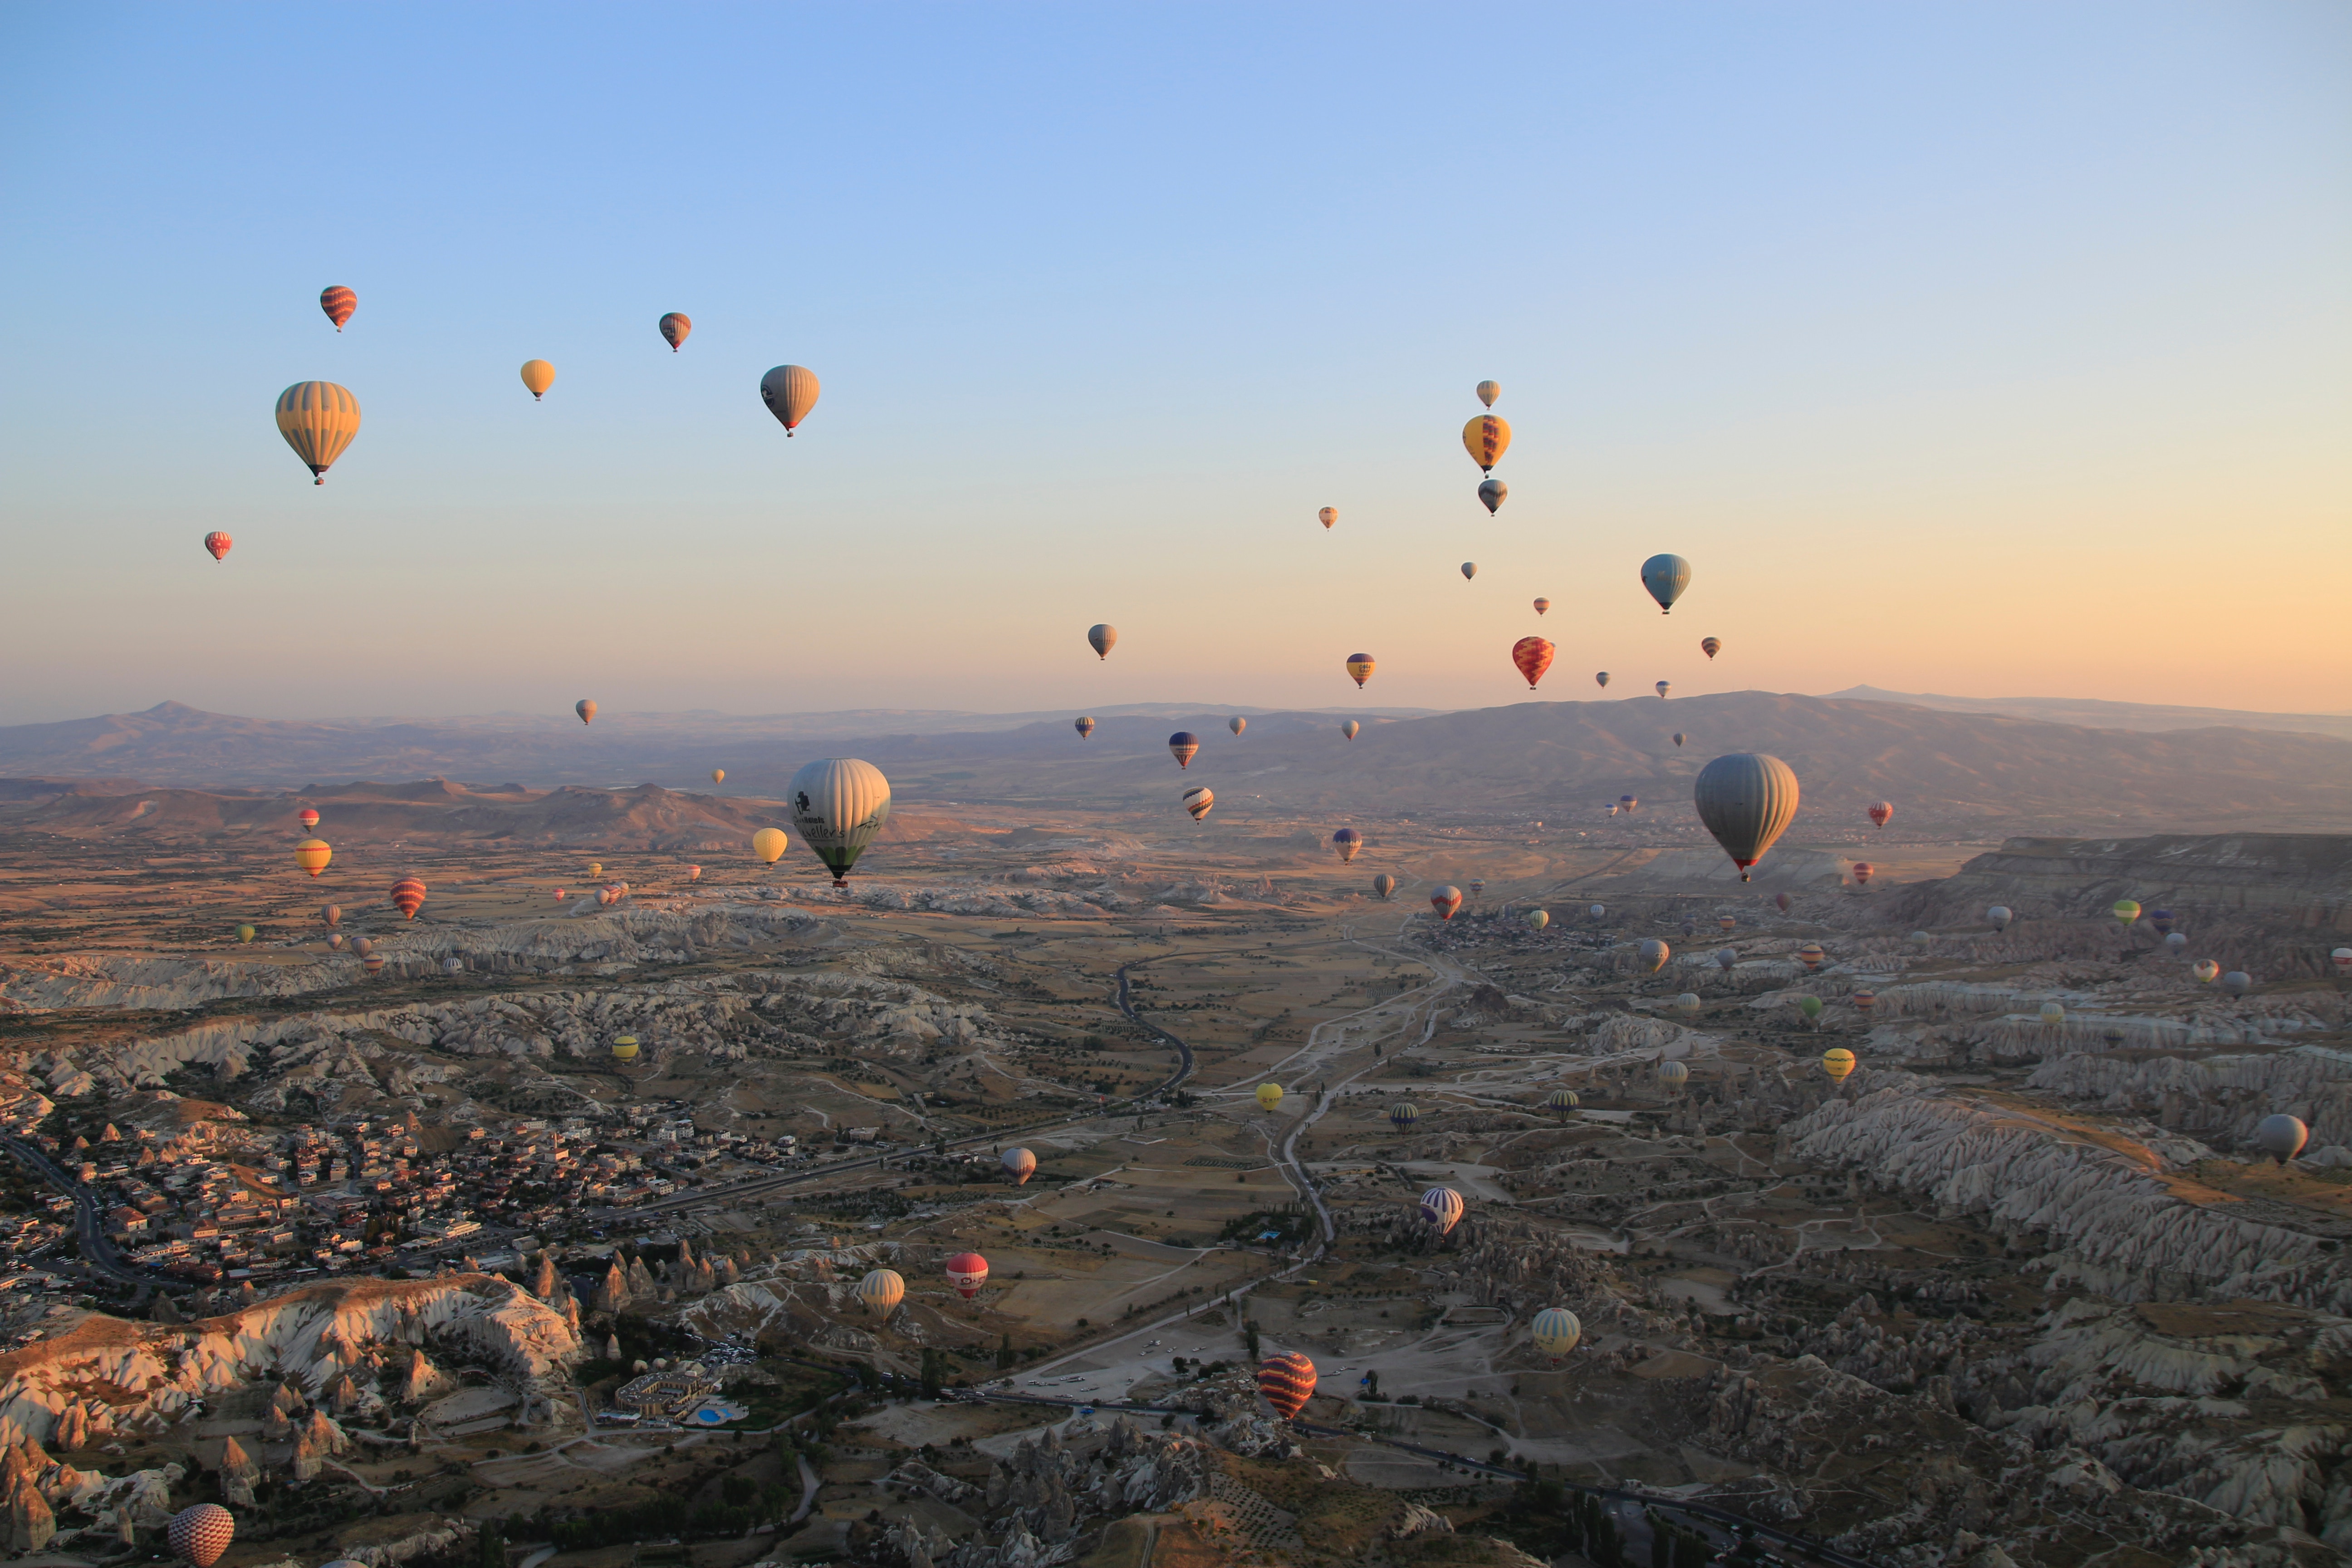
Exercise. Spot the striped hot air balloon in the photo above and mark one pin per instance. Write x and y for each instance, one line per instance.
(1672, 1075)
(1838, 1062)
(1383, 885)
(1019, 1163)
(839, 803)
(1347, 841)
(339, 302)
(1359, 667)
(881, 1291)
(1811, 956)
(966, 1271)
(1727, 922)
(1542, 605)
(1711, 646)
(199, 1535)
(1286, 1383)
(2127, 911)
(1556, 1331)
(1562, 1100)
(694, 873)
(308, 817)
(334, 942)
(1183, 745)
(1404, 1114)
(246, 934)
(1085, 726)
(625, 1047)
(2206, 970)
(1882, 813)
(1539, 918)
(362, 946)
(218, 544)
(372, 964)
(1445, 897)
(1489, 391)
(1864, 1001)
(674, 328)
(312, 855)
(318, 419)
(1486, 437)
(1198, 800)
(408, 897)
(1442, 1206)
(1533, 655)
(790, 392)
(1862, 872)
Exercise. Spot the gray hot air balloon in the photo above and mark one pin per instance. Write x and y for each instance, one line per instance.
(1746, 800)
(1665, 576)
(2174, 940)
(2237, 982)
(1601, 676)
(1102, 638)
(839, 803)
(1599, 911)
(1680, 737)
(1236, 723)
(1469, 570)
(1487, 390)
(2281, 1137)
(1494, 492)
(1724, 957)
(1664, 686)
(1998, 917)
(790, 392)
(1652, 956)
(1384, 885)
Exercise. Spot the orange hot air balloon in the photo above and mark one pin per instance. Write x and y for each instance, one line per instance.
(308, 817)
(1533, 655)
(312, 855)
(1711, 646)
(1487, 438)
(1286, 1383)
(966, 1271)
(200, 1534)
(538, 375)
(1863, 871)
(674, 328)
(372, 964)
(1359, 666)
(339, 302)
(1881, 814)
(586, 709)
(318, 419)
(218, 543)
(1542, 605)
(1328, 516)
(408, 896)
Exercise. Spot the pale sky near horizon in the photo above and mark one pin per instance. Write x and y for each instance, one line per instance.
(1987, 349)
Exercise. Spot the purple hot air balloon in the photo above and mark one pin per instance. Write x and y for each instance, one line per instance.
(1182, 746)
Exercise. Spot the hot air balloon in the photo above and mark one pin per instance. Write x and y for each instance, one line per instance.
(1863, 871)
(2237, 982)
(1664, 686)
(1347, 841)
(1727, 922)
(1469, 570)
(1724, 957)
(1921, 939)
(1812, 956)
(1838, 1062)
(408, 896)
(2281, 1137)
(1665, 576)
(1085, 726)
(1236, 723)
(1286, 1383)
(1270, 1095)
(595, 867)
(362, 946)
(339, 302)
(1384, 885)
(1102, 638)
(839, 803)
(318, 419)
(1442, 1206)
(1492, 494)
(694, 873)
(1404, 1114)
(1810, 1006)
(1542, 605)
(1711, 646)
(1561, 1100)
(1626, 803)
(200, 1534)
(1864, 1001)
(1881, 814)
(1477, 885)
(307, 818)
(1680, 737)
(1746, 800)
(1601, 676)
(674, 328)
(1489, 391)
(1486, 437)
(1538, 917)
(790, 392)
(586, 709)
(1446, 899)
(218, 543)
(1359, 667)
(1556, 1331)
(2162, 920)
(1350, 730)
(245, 934)
(2125, 910)
(1533, 655)
(312, 855)
(2342, 959)
(1328, 516)
(881, 1291)
(1781, 901)
(625, 1047)
(334, 942)
(967, 1272)
(1183, 745)
(2206, 970)
(1998, 917)
(1674, 1075)
(538, 375)
(1599, 911)
(1199, 800)
(372, 964)
(1651, 955)
(718, 776)
(1019, 1163)
(2051, 1012)
(1688, 1004)
(2176, 940)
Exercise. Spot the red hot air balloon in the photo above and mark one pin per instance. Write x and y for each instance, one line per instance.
(200, 1534)
(1446, 899)
(307, 818)
(1862, 872)
(339, 302)
(408, 896)
(966, 1271)
(1183, 745)
(1288, 1382)
(1881, 814)
(1533, 655)
(218, 543)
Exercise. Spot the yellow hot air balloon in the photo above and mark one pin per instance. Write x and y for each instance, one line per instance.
(1270, 1095)
(718, 776)
(881, 1291)
(625, 1047)
(312, 855)
(1838, 1062)
(769, 844)
(538, 375)
(1359, 667)
(595, 867)
(1557, 1330)
(318, 419)
(1487, 438)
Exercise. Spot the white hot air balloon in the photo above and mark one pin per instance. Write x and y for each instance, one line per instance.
(839, 803)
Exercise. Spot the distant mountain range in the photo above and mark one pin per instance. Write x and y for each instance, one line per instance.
(2094, 715)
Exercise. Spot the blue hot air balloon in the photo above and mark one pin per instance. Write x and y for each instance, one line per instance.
(1182, 746)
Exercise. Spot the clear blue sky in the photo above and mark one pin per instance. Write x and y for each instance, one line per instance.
(1989, 349)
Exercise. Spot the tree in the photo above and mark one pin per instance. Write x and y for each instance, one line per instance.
(1004, 1356)
(1249, 1337)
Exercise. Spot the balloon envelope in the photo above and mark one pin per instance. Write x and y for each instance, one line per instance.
(790, 392)
(1446, 899)
(1236, 723)
(408, 897)
(1359, 667)
(1347, 842)
(1328, 516)
(1469, 570)
(1492, 494)
(769, 844)
(2237, 982)
(625, 1047)
(1270, 1095)
(839, 803)
(1724, 957)
(312, 855)
(586, 709)
(2207, 971)
(1562, 1099)
(1998, 917)
(2125, 911)
(245, 934)
(1812, 955)
(674, 328)
(1404, 1114)
(1532, 656)
(332, 914)
(1489, 391)
(1102, 638)
(1442, 1206)
(1199, 800)
(538, 375)
(1674, 1075)
(218, 544)
(967, 1272)
(339, 302)
(1538, 917)
(1351, 729)
(881, 1290)
(1863, 871)
(2281, 1136)
(1183, 745)
(1286, 1383)
(1556, 1331)
(1384, 885)
(1711, 646)
(1486, 437)
(1601, 676)
(1746, 800)
(1837, 1062)
(1665, 576)
(1542, 605)
(1651, 955)
(1019, 1163)
(318, 419)
(1664, 686)
(200, 1534)
(1085, 726)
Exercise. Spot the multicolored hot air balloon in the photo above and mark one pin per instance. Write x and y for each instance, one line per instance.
(218, 544)
(839, 803)
(1469, 570)
(1882, 813)
(1445, 897)
(2162, 920)
(1562, 1100)
(1359, 667)
(1270, 1095)
(1102, 636)
(1627, 804)
(1384, 885)
(1542, 605)
(2281, 1136)
(1727, 922)
(1711, 646)
(199, 1535)
(1665, 576)
(362, 946)
(408, 896)
(1746, 800)
(1084, 726)
(2053, 1012)
(1477, 885)
(1328, 516)
(881, 1291)
(2206, 970)
(1492, 494)
(312, 855)
(967, 1272)
(1863, 871)
(694, 873)
(1347, 841)
(674, 327)
(318, 419)
(2127, 911)
(1350, 730)
(1533, 656)
(1556, 1331)
(1489, 391)
(1601, 677)
(1664, 686)
(1199, 800)
(1183, 745)
(1865, 1001)
(586, 709)
(372, 962)
(538, 375)
(2342, 959)
(1404, 1114)
(308, 817)
(339, 302)
(790, 392)
(1812, 955)
(1442, 1206)
(1286, 1383)
(1539, 918)
(1486, 437)
(1838, 1062)
(1688, 1004)
(1019, 1163)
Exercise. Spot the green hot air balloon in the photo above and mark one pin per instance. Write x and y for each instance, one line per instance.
(1538, 917)
(1746, 800)
(245, 934)
(1810, 1006)
(1665, 576)
(2127, 911)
